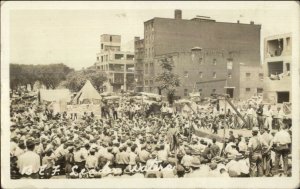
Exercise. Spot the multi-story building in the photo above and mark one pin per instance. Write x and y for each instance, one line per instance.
(118, 65)
(138, 60)
(277, 66)
(207, 54)
(199, 71)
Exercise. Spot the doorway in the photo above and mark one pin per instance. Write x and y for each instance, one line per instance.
(283, 97)
(229, 91)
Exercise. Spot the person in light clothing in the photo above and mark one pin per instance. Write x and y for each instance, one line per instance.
(268, 115)
(266, 139)
(29, 162)
(255, 156)
(282, 141)
(91, 160)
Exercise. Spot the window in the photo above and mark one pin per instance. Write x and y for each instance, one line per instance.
(101, 58)
(214, 61)
(185, 92)
(119, 56)
(248, 74)
(97, 57)
(260, 90)
(186, 74)
(146, 68)
(151, 82)
(200, 90)
(214, 91)
(146, 82)
(261, 76)
(229, 64)
(200, 74)
(200, 60)
(248, 89)
(101, 45)
(214, 75)
(288, 40)
(229, 75)
(110, 38)
(288, 67)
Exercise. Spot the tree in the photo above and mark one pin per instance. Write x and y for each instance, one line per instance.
(49, 75)
(167, 80)
(75, 80)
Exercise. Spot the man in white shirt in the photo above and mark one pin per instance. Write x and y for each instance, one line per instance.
(268, 115)
(282, 141)
(29, 162)
(266, 140)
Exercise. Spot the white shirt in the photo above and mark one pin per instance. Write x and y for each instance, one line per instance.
(29, 161)
(244, 166)
(282, 137)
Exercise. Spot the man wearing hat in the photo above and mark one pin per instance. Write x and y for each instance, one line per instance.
(29, 162)
(266, 139)
(282, 142)
(255, 154)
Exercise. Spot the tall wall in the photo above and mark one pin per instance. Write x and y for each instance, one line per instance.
(175, 35)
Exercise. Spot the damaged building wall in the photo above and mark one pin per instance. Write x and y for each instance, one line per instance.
(277, 81)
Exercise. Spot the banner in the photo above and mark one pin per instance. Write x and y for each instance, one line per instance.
(81, 108)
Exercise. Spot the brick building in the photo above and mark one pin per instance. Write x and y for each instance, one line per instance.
(222, 49)
(277, 67)
(118, 65)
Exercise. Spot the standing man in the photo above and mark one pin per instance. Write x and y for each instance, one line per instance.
(29, 162)
(268, 114)
(260, 118)
(278, 117)
(250, 116)
(282, 141)
(255, 156)
(266, 140)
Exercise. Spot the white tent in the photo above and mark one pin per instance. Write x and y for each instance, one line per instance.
(87, 94)
(55, 95)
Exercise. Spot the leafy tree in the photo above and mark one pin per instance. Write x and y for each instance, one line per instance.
(167, 80)
(75, 80)
(49, 75)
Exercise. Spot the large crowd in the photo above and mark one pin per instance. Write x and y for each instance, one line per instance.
(126, 142)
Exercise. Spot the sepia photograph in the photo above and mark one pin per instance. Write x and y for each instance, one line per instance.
(150, 94)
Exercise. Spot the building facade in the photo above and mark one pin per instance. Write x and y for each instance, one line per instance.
(118, 65)
(225, 46)
(208, 71)
(138, 64)
(277, 67)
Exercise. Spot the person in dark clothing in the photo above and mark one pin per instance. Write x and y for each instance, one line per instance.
(214, 149)
(231, 137)
(260, 118)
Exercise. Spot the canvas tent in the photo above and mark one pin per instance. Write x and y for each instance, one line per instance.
(55, 95)
(87, 95)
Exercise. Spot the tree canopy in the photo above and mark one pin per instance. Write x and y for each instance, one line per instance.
(75, 80)
(49, 75)
(167, 80)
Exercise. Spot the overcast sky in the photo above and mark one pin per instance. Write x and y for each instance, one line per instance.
(65, 35)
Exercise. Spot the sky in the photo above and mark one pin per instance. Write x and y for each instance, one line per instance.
(70, 32)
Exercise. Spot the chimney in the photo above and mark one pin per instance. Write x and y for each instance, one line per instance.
(178, 14)
(251, 22)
